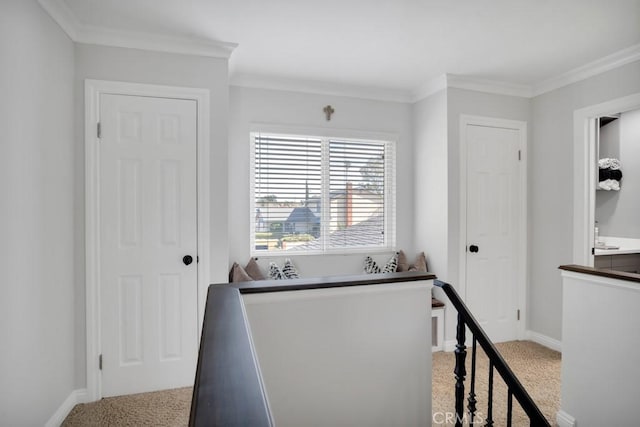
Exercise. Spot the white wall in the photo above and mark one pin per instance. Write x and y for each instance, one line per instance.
(37, 178)
(139, 66)
(354, 356)
(431, 191)
(600, 370)
(551, 186)
(431, 180)
(617, 211)
(294, 110)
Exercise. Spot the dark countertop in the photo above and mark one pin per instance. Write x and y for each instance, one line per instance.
(612, 274)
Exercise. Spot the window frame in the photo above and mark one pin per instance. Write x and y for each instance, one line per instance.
(389, 199)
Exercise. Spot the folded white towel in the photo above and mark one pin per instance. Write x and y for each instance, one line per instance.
(615, 164)
(604, 163)
(609, 163)
(615, 185)
(609, 184)
(605, 185)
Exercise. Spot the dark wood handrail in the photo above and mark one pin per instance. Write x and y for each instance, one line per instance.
(227, 390)
(495, 358)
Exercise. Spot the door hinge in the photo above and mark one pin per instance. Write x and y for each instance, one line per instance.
(197, 259)
(100, 362)
(99, 130)
(519, 155)
(593, 251)
(518, 314)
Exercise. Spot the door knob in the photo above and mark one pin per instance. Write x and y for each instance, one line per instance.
(473, 248)
(187, 259)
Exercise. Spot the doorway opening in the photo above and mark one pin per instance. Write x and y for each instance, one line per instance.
(587, 132)
(617, 192)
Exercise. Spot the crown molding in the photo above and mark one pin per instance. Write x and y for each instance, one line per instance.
(154, 42)
(318, 87)
(445, 81)
(79, 33)
(489, 86)
(610, 62)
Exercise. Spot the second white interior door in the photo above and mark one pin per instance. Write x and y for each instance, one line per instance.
(493, 228)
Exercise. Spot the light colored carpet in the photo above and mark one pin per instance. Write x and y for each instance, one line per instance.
(537, 367)
(167, 408)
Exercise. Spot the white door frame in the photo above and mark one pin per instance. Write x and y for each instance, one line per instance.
(584, 172)
(521, 226)
(93, 91)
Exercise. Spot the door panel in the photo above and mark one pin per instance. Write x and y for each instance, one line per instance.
(492, 225)
(147, 225)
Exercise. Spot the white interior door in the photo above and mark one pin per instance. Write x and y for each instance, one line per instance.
(148, 224)
(492, 228)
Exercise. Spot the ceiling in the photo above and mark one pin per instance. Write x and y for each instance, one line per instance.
(397, 45)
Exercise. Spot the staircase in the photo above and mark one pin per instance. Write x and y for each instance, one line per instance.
(470, 416)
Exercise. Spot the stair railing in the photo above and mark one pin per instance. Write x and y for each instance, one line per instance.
(496, 362)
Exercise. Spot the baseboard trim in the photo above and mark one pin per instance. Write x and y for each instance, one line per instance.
(544, 340)
(565, 420)
(553, 344)
(75, 397)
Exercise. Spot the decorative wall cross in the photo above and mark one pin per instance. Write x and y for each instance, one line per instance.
(328, 111)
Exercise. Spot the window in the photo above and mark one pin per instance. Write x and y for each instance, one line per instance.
(318, 195)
